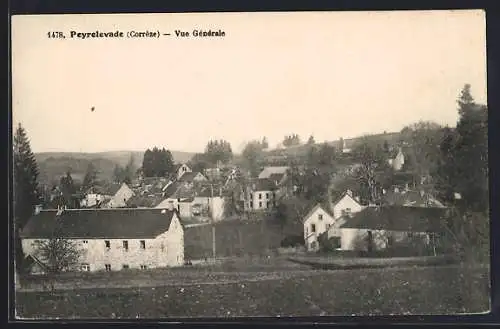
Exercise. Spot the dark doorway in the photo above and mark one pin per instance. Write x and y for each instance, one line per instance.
(369, 242)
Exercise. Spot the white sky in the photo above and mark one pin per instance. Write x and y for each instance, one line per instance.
(326, 74)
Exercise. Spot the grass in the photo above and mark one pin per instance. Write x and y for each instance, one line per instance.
(197, 293)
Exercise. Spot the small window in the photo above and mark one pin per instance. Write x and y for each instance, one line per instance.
(336, 242)
(125, 245)
(107, 267)
(267, 195)
(107, 244)
(85, 241)
(143, 244)
(268, 204)
(313, 228)
(251, 204)
(144, 267)
(274, 195)
(86, 267)
(260, 204)
(313, 245)
(320, 216)
(260, 195)
(125, 266)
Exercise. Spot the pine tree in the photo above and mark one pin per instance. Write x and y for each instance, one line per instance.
(90, 177)
(25, 186)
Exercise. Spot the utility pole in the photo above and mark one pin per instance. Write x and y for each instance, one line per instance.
(213, 222)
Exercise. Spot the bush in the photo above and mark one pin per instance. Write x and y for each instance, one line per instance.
(292, 241)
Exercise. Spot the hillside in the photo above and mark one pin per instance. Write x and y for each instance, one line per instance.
(54, 164)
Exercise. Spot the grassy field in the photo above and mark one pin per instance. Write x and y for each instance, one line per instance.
(198, 293)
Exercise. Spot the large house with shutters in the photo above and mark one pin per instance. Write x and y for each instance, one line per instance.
(111, 239)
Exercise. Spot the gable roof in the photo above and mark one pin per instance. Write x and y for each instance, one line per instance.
(316, 207)
(395, 218)
(268, 171)
(412, 199)
(336, 197)
(144, 201)
(263, 184)
(109, 189)
(131, 223)
(189, 176)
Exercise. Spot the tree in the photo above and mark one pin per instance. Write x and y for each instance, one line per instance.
(218, 151)
(423, 152)
(198, 162)
(129, 171)
(291, 140)
(25, 172)
(371, 170)
(264, 143)
(251, 156)
(68, 190)
(58, 255)
(157, 163)
(311, 140)
(90, 178)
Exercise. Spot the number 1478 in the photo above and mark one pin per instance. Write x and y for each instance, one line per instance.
(55, 35)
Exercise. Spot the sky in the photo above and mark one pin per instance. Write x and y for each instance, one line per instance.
(329, 75)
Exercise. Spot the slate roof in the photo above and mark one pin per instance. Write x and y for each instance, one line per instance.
(323, 206)
(396, 218)
(263, 185)
(99, 223)
(189, 176)
(144, 201)
(411, 198)
(268, 171)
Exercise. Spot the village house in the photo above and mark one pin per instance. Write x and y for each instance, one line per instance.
(260, 195)
(120, 198)
(111, 239)
(190, 178)
(397, 159)
(182, 169)
(268, 171)
(376, 228)
(407, 197)
(328, 218)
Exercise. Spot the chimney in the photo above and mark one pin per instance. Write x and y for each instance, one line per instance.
(422, 193)
(396, 189)
(349, 193)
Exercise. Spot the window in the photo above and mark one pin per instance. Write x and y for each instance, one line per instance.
(267, 195)
(320, 216)
(313, 245)
(107, 267)
(251, 204)
(268, 204)
(336, 242)
(125, 245)
(260, 195)
(328, 226)
(86, 267)
(260, 204)
(107, 244)
(313, 228)
(144, 267)
(274, 195)
(85, 242)
(251, 196)
(125, 266)
(143, 244)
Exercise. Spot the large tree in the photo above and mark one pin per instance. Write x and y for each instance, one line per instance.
(372, 169)
(218, 151)
(251, 156)
(25, 172)
(90, 178)
(157, 163)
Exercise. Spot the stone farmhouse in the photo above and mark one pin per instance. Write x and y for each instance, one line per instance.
(111, 239)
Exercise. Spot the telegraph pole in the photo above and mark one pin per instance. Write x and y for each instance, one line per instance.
(213, 221)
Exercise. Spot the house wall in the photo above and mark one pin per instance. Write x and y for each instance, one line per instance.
(398, 161)
(321, 225)
(254, 203)
(92, 199)
(199, 178)
(121, 197)
(182, 170)
(353, 238)
(345, 203)
(167, 249)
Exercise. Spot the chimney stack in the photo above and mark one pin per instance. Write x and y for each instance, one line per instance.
(396, 190)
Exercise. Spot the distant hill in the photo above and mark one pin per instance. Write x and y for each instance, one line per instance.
(53, 165)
